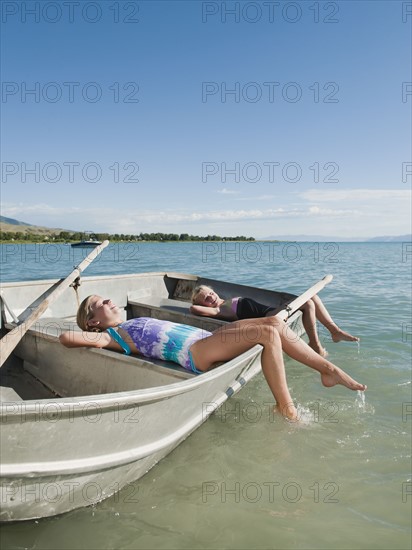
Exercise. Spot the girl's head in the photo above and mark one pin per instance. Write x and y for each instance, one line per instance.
(96, 314)
(203, 295)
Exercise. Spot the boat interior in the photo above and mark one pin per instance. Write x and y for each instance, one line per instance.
(41, 368)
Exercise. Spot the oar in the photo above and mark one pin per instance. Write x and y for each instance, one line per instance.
(12, 338)
(303, 298)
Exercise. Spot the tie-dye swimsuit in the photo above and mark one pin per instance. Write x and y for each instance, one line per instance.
(164, 340)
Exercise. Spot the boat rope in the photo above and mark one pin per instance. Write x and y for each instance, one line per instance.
(75, 285)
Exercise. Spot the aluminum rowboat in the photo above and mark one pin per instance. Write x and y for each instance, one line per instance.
(78, 425)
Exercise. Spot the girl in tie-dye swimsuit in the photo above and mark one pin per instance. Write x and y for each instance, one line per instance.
(164, 339)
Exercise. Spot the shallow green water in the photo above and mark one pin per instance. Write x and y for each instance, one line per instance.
(246, 479)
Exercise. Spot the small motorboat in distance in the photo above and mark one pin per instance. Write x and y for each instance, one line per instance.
(89, 241)
(86, 244)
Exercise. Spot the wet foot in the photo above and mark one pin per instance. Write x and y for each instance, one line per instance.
(339, 335)
(289, 412)
(338, 376)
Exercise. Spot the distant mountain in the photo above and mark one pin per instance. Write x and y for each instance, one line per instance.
(398, 239)
(307, 238)
(11, 221)
(334, 239)
(12, 225)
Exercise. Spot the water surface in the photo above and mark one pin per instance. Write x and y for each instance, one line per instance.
(246, 479)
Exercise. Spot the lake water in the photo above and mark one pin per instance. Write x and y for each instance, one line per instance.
(340, 479)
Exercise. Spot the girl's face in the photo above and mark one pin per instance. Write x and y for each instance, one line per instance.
(208, 297)
(105, 313)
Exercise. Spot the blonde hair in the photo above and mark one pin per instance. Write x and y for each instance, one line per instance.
(197, 290)
(85, 314)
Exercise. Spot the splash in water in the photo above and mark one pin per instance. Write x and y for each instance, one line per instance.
(361, 400)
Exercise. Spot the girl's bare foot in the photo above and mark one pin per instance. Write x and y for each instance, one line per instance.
(338, 335)
(338, 376)
(288, 411)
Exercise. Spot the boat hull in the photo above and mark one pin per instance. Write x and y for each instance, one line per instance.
(142, 427)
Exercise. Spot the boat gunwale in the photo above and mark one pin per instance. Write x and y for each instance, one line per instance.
(109, 400)
(171, 274)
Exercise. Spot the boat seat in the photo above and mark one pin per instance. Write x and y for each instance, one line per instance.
(172, 304)
(170, 309)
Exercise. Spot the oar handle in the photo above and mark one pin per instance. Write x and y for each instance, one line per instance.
(12, 338)
(285, 313)
(88, 259)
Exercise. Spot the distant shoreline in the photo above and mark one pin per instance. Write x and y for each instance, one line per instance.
(139, 242)
(245, 241)
(19, 232)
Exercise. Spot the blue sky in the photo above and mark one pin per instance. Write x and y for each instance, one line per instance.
(253, 118)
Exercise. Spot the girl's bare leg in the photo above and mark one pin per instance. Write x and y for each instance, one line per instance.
(273, 334)
(296, 348)
(309, 323)
(323, 315)
(229, 342)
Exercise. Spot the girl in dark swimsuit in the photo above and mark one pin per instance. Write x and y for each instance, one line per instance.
(209, 304)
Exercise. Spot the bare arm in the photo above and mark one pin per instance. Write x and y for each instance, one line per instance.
(205, 311)
(76, 339)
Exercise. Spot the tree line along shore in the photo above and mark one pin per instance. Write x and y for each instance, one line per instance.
(66, 237)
